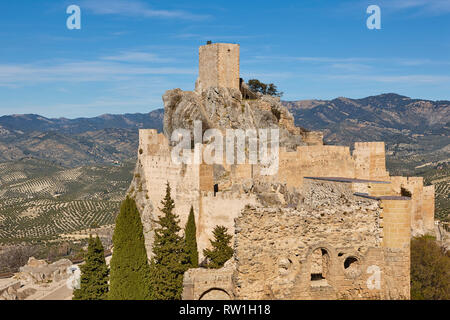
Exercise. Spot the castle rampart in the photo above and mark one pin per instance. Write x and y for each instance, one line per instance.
(321, 227)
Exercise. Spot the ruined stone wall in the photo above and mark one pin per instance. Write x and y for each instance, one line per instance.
(219, 65)
(313, 138)
(276, 249)
(220, 209)
(209, 284)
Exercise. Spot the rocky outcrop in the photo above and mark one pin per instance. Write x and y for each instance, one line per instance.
(8, 291)
(224, 108)
(39, 271)
(139, 191)
(14, 290)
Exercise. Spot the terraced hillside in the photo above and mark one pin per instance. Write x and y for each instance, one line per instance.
(440, 177)
(40, 200)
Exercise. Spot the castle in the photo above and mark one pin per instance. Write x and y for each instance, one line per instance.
(330, 224)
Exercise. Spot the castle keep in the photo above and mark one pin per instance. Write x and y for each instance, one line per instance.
(330, 224)
(219, 65)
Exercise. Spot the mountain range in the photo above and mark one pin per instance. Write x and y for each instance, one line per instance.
(416, 131)
(73, 142)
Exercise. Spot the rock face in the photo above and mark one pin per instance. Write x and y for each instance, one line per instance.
(8, 290)
(224, 108)
(39, 271)
(15, 291)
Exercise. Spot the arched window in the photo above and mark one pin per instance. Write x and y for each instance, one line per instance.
(320, 265)
(352, 267)
(350, 262)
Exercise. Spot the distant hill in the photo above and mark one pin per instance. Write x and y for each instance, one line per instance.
(40, 200)
(74, 142)
(55, 178)
(31, 122)
(415, 131)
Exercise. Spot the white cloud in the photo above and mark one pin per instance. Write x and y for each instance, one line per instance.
(134, 56)
(85, 71)
(336, 61)
(215, 38)
(404, 79)
(434, 7)
(135, 8)
(316, 59)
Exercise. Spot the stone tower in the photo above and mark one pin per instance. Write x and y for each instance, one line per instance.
(218, 66)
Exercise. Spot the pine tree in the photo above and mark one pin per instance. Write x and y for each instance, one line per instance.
(221, 252)
(129, 265)
(170, 260)
(94, 273)
(190, 236)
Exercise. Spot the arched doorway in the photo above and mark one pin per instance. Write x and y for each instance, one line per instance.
(215, 294)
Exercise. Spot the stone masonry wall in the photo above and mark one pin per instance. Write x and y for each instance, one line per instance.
(370, 160)
(422, 217)
(220, 209)
(219, 65)
(191, 185)
(316, 161)
(209, 284)
(154, 170)
(428, 207)
(274, 249)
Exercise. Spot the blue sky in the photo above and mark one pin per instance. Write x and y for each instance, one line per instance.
(129, 52)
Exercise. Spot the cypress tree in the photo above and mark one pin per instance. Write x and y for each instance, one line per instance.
(129, 263)
(190, 235)
(94, 273)
(170, 260)
(221, 252)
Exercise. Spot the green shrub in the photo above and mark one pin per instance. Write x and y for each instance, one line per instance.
(221, 252)
(430, 270)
